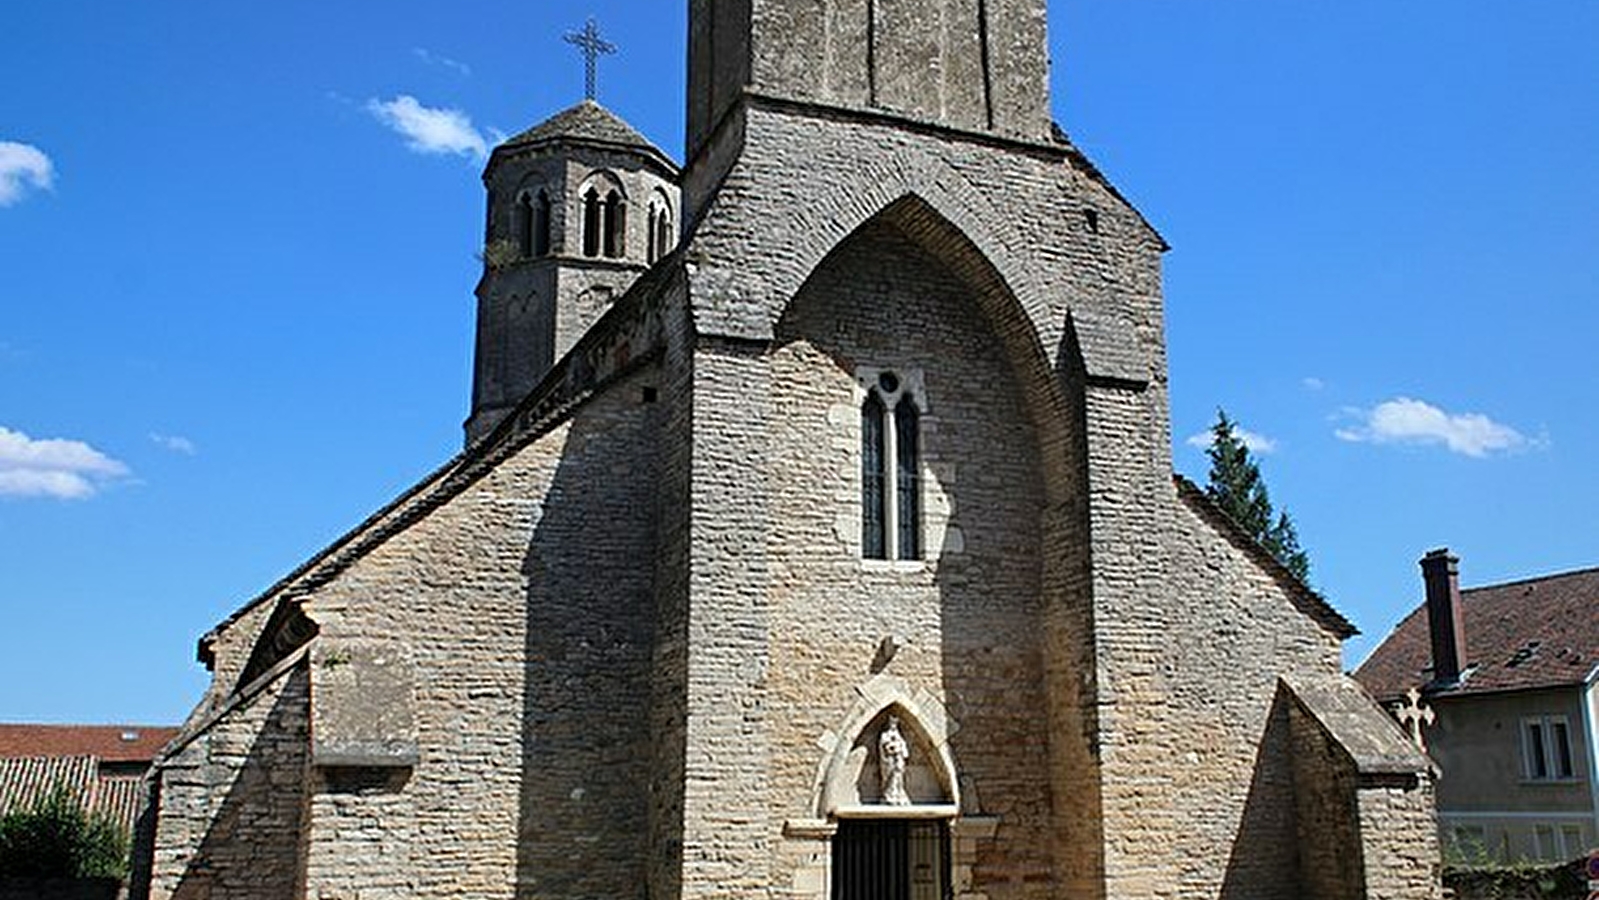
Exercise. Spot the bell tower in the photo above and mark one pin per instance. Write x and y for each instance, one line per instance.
(975, 65)
(578, 207)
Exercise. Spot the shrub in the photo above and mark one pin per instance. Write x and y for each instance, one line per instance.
(57, 838)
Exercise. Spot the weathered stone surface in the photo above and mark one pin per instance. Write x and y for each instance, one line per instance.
(647, 655)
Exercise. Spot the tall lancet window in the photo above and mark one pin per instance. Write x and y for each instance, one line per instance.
(525, 226)
(541, 224)
(658, 237)
(907, 481)
(615, 225)
(874, 484)
(891, 483)
(591, 222)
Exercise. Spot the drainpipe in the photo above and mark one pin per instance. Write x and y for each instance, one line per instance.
(1592, 739)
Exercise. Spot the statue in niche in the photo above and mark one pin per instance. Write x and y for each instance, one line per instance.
(892, 754)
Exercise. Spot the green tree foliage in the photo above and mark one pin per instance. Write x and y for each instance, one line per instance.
(57, 838)
(1236, 486)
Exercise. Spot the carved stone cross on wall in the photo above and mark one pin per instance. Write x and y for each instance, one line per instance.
(1413, 715)
(593, 47)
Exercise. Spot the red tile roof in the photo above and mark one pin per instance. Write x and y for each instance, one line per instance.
(25, 781)
(1538, 633)
(108, 743)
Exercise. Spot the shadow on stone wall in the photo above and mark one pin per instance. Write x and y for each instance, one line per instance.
(907, 289)
(586, 745)
(251, 847)
(1263, 863)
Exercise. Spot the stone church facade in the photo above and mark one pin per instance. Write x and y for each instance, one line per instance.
(816, 537)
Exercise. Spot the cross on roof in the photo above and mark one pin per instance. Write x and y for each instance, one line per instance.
(1413, 715)
(593, 46)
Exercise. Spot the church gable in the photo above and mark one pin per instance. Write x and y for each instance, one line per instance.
(838, 558)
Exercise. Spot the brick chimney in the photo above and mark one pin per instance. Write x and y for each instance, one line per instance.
(1445, 619)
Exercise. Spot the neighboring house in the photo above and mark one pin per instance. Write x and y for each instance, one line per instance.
(1508, 671)
(102, 764)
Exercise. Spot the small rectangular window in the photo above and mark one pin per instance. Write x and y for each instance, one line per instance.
(1543, 843)
(1537, 752)
(1562, 748)
(1571, 843)
(1546, 749)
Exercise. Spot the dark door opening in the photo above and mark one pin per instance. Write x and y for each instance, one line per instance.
(891, 859)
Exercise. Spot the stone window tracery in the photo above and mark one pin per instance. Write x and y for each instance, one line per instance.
(541, 224)
(591, 222)
(615, 226)
(532, 224)
(891, 484)
(658, 235)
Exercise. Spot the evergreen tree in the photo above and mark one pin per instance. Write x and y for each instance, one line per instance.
(1236, 486)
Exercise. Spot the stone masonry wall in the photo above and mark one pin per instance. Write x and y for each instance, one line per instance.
(1230, 632)
(968, 615)
(527, 605)
(232, 803)
(1399, 835)
(1326, 821)
(1071, 299)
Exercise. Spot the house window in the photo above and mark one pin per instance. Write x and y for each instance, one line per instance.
(1546, 748)
(890, 859)
(891, 485)
(1571, 843)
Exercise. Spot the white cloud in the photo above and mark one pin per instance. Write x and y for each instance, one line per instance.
(434, 59)
(175, 443)
(1257, 443)
(429, 130)
(1313, 384)
(1407, 421)
(58, 468)
(23, 166)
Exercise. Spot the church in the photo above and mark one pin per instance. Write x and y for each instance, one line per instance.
(815, 537)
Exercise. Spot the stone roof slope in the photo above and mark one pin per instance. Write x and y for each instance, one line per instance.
(590, 123)
(1375, 742)
(588, 368)
(1536, 633)
(1300, 594)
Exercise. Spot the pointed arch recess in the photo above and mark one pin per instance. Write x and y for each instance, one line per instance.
(926, 723)
(1045, 394)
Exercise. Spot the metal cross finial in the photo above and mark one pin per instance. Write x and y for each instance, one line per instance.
(593, 46)
(1413, 716)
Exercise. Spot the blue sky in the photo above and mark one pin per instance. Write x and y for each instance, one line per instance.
(237, 254)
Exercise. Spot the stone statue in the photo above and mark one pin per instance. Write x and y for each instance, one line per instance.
(892, 754)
